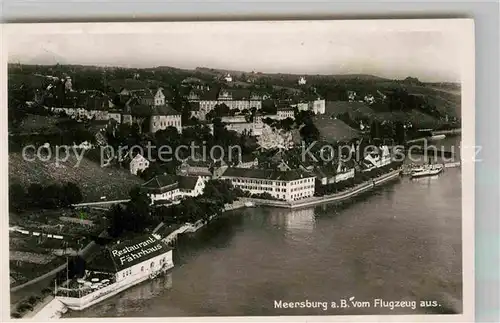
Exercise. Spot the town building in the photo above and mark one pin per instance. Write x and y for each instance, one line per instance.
(317, 106)
(369, 99)
(335, 172)
(302, 81)
(205, 168)
(248, 161)
(377, 158)
(284, 113)
(351, 95)
(169, 188)
(138, 164)
(116, 268)
(235, 99)
(228, 78)
(195, 83)
(284, 185)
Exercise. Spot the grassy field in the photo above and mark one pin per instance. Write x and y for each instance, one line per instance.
(334, 129)
(35, 123)
(93, 180)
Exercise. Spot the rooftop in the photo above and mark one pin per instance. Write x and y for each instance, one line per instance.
(270, 174)
(128, 253)
(187, 182)
(161, 184)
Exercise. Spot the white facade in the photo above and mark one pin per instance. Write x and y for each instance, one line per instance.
(377, 160)
(115, 115)
(161, 122)
(369, 99)
(159, 98)
(178, 191)
(228, 78)
(303, 106)
(138, 163)
(342, 176)
(284, 114)
(284, 190)
(302, 81)
(165, 196)
(318, 106)
(145, 268)
(196, 191)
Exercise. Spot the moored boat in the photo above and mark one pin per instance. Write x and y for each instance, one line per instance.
(249, 204)
(428, 170)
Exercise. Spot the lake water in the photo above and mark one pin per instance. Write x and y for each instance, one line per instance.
(401, 242)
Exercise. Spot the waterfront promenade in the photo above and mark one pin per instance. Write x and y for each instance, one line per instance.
(332, 198)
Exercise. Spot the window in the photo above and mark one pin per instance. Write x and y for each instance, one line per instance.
(142, 268)
(152, 264)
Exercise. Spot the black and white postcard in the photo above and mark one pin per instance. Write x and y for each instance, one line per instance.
(291, 170)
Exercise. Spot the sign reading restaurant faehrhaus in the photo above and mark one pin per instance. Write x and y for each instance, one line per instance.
(128, 254)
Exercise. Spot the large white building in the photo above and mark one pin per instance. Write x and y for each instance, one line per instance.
(115, 269)
(235, 99)
(284, 185)
(168, 188)
(317, 106)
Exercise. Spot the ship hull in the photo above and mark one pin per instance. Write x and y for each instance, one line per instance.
(427, 173)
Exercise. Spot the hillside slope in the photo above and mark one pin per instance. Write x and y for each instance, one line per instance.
(93, 180)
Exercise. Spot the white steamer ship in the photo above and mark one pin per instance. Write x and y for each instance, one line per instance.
(115, 269)
(427, 170)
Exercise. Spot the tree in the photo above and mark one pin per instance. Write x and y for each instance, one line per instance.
(116, 217)
(35, 193)
(17, 196)
(153, 170)
(71, 194)
(302, 117)
(309, 132)
(52, 196)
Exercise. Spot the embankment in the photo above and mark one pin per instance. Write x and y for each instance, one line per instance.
(337, 197)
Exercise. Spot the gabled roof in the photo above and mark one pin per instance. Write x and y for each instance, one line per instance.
(128, 84)
(187, 182)
(127, 254)
(210, 95)
(147, 111)
(138, 157)
(161, 184)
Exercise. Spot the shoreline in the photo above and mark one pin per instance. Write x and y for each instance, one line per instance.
(55, 309)
(332, 198)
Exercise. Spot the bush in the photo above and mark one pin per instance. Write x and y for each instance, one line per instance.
(46, 291)
(16, 315)
(23, 307)
(32, 300)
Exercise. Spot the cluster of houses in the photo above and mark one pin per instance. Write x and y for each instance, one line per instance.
(281, 182)
(150, 109)
(369, 98)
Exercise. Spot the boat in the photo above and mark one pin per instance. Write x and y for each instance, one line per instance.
(117, 268)
(428, 170)
(249, 204)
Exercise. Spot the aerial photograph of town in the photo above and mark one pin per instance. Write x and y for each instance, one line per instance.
(233, 169)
